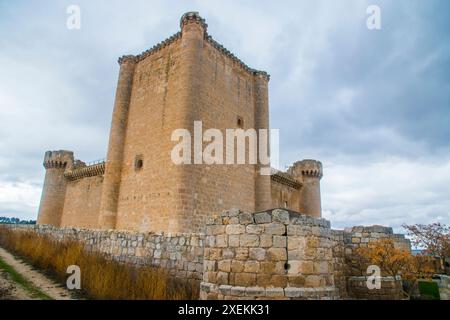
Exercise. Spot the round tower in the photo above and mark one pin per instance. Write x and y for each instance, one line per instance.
(309, 172)
(191, 21)
(263, 198)
(113, 169)
(54, 190)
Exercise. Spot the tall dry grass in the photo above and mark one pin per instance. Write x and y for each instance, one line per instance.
(101, 278)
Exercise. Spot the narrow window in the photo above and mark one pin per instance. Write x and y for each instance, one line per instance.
(139, 162)
(240, 122)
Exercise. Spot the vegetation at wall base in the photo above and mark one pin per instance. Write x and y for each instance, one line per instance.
(101, 277)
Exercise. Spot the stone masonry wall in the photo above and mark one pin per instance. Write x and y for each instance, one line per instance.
(181, 254)
(391, 289)
(276, 254)
(349, 278)
(268, 255)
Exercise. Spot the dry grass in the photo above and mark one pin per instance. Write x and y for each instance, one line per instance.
(101, 278)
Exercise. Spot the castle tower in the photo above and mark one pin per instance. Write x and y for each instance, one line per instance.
(262, 181)
(186, 79)
(111, 183)
(309, 172)
(54, 190)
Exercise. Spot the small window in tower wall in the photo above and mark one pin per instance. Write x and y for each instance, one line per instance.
(285, 204)
(240, 122)
(139, 162)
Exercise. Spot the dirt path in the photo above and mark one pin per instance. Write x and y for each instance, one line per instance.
(12, 290)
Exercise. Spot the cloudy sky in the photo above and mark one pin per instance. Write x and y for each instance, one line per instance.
(372, 105)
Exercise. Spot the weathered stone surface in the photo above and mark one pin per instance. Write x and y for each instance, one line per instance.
(276, 254)
(275, 228)
(281, 216)
(233, 241)
(237, 291)
(274, 292)
(224, 265)
(245, 218)
(254, 229)
(249, 240)
(265, 240)
(235, 229)
(222, 278)
(279, 241)
(251, 266)
(237, 266)
(214, 230)
(255, 292)
(262, 218)
(258, 254)
(245, 279)
(222, 241)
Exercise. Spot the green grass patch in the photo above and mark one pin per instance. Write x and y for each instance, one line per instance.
(24, 283)
(429, 290)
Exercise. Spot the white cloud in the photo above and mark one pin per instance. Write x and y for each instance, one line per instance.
(387, 192)
(19, 199)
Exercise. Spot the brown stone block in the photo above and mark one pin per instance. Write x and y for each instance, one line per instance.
(263, 280)
(241, 254)
(224, 265)
(268, 267)
(258, 254)
(245, 279)
(265, 240)
(314, 281)
(237, 266)
(215, 253)
(279, 281)
(222, 278)
(251, 266)
(249, 240)
(276, 254)
(296, 281)
(275, 228)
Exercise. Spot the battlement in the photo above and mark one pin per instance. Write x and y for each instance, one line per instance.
(286, 179)
(307, 168)
(80, 172)
(190, 17)
(58, 159)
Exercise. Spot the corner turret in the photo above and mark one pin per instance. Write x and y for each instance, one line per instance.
(54, 190)
(309, 172)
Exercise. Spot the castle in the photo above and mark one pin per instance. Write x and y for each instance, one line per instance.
(240, 233)
(186, 78)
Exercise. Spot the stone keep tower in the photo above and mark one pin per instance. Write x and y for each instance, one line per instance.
(186, 79)
(54, 191)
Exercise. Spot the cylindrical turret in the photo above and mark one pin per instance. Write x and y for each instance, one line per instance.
(113, 169)
(309, 172)
(54, 190)
(263, 197)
